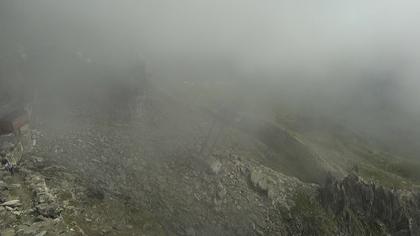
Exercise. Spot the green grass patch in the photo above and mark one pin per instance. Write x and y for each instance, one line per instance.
(389, 170)
(384, 178)
(308, 217)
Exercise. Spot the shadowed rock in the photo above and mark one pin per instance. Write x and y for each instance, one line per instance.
(365, 207)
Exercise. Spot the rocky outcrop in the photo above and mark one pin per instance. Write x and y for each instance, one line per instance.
(365, 208)
(11, 148)
(278, 188)
(44, 201)
(28, 208)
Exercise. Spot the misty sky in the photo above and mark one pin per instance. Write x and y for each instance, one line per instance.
(335, 45)
(255, 34)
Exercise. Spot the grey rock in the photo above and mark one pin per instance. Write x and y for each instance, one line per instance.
(42, 233)
(48, 210)
(262, 182)
(221, 191)
(216, 166)
(12, 203)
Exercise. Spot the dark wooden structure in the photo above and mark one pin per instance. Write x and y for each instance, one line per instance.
(13, 121)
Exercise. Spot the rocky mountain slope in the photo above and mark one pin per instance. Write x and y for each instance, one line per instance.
(173, 167)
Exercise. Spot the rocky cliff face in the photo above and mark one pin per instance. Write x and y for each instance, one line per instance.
(367, 209)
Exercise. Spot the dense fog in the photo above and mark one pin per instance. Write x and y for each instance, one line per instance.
(355, 62)
(209, 117)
